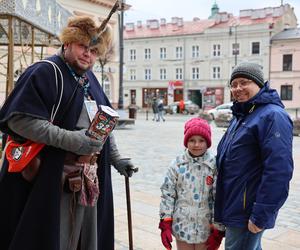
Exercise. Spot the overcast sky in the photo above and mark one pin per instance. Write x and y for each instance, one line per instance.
(155, 9)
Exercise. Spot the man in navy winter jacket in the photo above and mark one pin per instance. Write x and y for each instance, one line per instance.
(254, 160)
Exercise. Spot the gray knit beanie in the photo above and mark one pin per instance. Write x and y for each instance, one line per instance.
(252, 71)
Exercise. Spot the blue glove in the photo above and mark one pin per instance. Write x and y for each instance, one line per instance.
(125, 167)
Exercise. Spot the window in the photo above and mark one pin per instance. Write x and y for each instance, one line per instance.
(147, 54)
(178, 74)
(179, 52)
(195, 73)
(286, 92)
(163, 53)
(235, 49)
(147, 74)
(216, 73)
(132, 55)
(195, 51)
(287, 62)
(216, 50)
(132, 74)
(162, 74)
(255, 48)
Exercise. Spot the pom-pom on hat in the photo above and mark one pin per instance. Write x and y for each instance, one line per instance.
(197, 126)
(251, 71)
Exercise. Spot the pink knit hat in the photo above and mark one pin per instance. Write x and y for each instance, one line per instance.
(197, 126)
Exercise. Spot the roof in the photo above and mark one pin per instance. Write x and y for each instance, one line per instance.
(169, 29)
(245, 21)
(177, 26)
(287, 34)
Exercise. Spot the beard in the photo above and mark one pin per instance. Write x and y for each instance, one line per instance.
(76, 63)
(79, 68)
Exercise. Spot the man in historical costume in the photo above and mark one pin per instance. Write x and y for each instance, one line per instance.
(45, 213)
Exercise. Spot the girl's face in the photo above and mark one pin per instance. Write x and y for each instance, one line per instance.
(197, 145)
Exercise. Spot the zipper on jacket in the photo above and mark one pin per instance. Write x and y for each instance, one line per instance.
(244, 199)
(232, 134)
(252, 108)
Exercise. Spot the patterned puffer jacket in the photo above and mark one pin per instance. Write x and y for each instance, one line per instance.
(188, 195)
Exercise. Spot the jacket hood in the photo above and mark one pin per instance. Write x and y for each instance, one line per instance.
(265, 96)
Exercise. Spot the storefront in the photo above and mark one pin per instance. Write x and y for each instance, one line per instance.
(175, 91)
(150, 93)
(213, 97)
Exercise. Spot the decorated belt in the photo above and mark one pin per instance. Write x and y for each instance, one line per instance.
(77, 160)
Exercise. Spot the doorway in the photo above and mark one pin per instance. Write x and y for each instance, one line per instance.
(178, 95)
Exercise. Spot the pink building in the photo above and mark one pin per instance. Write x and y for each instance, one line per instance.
(285, 68)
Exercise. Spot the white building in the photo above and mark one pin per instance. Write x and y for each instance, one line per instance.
(193, 60)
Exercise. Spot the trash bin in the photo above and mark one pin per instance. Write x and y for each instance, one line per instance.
(132, 112)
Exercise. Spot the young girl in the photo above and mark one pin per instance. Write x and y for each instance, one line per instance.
(186, 206)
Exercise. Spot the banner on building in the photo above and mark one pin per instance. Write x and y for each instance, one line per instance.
(171, 88)
(172, 85)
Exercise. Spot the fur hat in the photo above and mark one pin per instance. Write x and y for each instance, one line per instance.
(197, 126)
(251, 71)
(83, 29)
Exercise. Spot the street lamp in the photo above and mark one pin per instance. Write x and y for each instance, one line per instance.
(146, 98)
(235, 48)
(121, 48)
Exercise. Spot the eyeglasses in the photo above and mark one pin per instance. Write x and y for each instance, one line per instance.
(243, 84)
(93, 51)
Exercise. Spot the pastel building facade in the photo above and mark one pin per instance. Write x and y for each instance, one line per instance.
(194, 59)
(285, 67)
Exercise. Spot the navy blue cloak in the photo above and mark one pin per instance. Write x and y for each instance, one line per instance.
(30, 212)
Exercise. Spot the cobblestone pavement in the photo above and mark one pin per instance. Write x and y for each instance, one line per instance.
(152, 145)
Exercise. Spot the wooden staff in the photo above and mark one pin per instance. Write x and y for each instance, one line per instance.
(129, 213)
(129, 209)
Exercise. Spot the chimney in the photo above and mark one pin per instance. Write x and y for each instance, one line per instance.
(163, 21)
(139, 24)
(258, 13)
(174, 20)
(129, 26)
(148, 23)
(154, 24)
(224, 17)
(180, 22)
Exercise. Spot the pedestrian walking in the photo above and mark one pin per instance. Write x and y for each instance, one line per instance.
(181, 106)
(155, 109)
(160, 108)
(60, 209)
(254, 160)
(186, 207)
